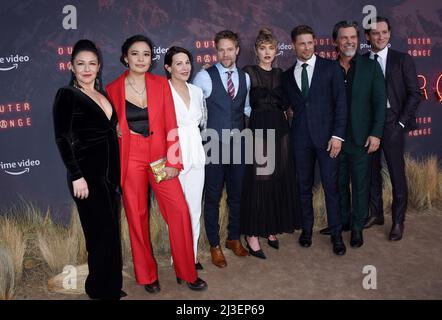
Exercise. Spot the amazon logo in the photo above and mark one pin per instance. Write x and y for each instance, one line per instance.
(12, 62)
(19, 167)
(158, 52)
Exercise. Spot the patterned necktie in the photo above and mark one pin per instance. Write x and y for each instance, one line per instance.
(304, 80)
(230, 86)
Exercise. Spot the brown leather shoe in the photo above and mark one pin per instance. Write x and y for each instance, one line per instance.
(237, 248)
(218, 257)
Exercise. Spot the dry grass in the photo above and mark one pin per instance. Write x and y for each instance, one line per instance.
(159, 233)
(7, 275)
(125, 239)
(14, 243)
(439, 195)
(76, 237)
(61, 246)
(57, 245)
(387, 190)
(319, 208)
(424, 182)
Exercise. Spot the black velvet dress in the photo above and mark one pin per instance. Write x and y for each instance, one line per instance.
(88, 145)
(270, 201)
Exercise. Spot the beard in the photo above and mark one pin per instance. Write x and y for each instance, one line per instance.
(349, 52)
(227, 63)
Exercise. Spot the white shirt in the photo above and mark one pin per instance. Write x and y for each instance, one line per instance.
(310, 68)
(382, 59)
(188, 120)
(203, 80)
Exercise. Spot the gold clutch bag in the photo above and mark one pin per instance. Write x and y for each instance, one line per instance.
(157, 169)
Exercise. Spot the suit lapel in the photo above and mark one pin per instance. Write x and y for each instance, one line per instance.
(389, 64)
(295, 84)
(291, 79)
(315, 75)
(152, 91)
(356, 80)
(122, 99)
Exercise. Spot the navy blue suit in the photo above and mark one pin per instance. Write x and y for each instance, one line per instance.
(316, 118)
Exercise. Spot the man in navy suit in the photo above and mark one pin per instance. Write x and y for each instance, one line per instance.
(316, 91)
(403, 99)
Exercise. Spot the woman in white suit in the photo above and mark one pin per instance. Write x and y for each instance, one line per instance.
(190, 114)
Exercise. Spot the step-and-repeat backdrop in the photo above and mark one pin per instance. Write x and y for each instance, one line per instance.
(36, 39)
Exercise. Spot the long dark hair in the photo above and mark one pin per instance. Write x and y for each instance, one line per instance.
(168, 58)
(86, 45)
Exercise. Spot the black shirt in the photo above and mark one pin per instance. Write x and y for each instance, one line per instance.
(349, 77)
(137, 119)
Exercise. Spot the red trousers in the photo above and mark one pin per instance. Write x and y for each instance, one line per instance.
(173, 207)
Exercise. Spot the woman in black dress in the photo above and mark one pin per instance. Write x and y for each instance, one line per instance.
(85, 132)
(269, 203)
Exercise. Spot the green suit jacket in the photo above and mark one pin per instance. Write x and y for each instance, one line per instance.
(368, 101)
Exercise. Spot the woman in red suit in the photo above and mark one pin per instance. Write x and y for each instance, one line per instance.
(146, 116)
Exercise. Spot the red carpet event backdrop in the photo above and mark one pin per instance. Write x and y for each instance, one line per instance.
(37, 38)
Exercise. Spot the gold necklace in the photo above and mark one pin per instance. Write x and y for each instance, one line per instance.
(135, 89)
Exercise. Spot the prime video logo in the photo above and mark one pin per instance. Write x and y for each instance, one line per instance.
(12, 62)
(19, 167)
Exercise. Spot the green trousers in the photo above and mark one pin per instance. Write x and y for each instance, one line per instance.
(354, 168)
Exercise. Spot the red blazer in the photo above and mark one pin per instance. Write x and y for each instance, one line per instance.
(162, 119)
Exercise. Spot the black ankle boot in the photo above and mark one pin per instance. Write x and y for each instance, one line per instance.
(153, 287)
(197, 285)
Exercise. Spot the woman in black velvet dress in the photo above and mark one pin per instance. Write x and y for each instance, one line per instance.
(85, 133)
(269, 201)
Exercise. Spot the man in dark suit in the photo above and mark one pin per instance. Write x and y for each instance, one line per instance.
(315, 89)
(403, 98)
(366, 102)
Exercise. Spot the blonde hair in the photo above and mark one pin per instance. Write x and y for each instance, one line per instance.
(265, 35)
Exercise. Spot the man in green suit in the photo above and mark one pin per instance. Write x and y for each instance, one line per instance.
(366, 105)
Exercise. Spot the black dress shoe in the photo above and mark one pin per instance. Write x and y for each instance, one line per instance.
(198, 266)
(305, 239)
(123, 294)
(327, 232)
(396, 232)
(338, 245)
(197, 285)
(258, 253)
(372, 220)
(273, 243)
(356, 239)
(153, 287)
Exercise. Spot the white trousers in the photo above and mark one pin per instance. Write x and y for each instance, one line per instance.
(192, 183)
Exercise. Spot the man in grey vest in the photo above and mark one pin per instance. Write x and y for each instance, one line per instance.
(226, 90)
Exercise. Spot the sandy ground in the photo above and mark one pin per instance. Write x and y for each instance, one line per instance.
(408, 269)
